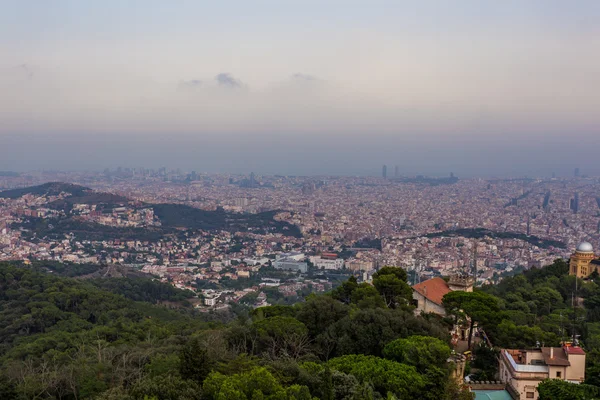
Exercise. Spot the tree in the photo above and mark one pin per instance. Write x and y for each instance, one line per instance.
(557, 389)
(398, 272)
(319, 312)
(385, 375)
(255, 384)
(367, 296)
(422, 352)
(282, 337)
(343, 292)
(486, 361)
(390, 282)
(479, 306)
(166, 387)
(194, 362)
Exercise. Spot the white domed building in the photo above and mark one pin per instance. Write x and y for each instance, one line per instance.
(583, 262)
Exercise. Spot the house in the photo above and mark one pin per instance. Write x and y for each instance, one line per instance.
(523, 370)
(428, 295)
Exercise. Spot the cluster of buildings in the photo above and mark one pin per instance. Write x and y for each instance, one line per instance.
(520, 370)
(335, 214)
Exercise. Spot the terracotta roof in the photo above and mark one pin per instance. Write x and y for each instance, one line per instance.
(433, 289)
(560, 358)
(574, 350)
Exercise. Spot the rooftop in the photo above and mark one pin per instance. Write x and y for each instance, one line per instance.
(433, 289)
(585, 247)
(491, 395)
(555, 356)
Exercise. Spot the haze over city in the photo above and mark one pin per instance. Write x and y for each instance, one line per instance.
(301, 87)
(299, 200)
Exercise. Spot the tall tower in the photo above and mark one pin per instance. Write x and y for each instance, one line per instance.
(396, 171)
(384, 171)
(576, 173)
(575, 203)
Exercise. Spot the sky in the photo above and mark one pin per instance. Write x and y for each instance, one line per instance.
(476, 87)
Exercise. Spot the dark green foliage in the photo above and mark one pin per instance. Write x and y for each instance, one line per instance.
(107, 201)
(64, 268)
(320, 312)
(166, 387)
(47, 189)
(368, 243)
(194, 363)
(69, 339)
(556, 389)
(84, 230)
(182, 216)
(422, 352)
(480, 307)
(343, 292)
(368, 331)
(257, 383)
(143, 289)
(478, 233)
(486, 361)
(385, 375)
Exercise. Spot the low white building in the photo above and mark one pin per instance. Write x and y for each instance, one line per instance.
(325, 263)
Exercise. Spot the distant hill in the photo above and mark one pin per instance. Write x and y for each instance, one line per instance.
(47, 189)
(109, 199)
(182, 216)
(172, 216)
(10, 174)
(478, 233)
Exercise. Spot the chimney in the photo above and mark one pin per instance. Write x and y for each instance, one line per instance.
(551, 352)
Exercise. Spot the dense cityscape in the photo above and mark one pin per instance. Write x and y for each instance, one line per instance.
(351, 225)
(299, 200)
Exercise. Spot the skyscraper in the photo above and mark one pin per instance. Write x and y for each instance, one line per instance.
(576, 173)
(575, 203)
(396, 171)
(384, 171)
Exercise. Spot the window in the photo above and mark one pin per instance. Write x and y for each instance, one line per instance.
(529, 395)
(558, 374)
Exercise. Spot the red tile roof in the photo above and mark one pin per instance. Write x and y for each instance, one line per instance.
(574, 350)
(433, 289)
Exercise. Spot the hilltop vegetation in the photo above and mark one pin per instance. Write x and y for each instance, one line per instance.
(172, 216)
(108, 339)
(67, 339)
(57, 228)
(182, 216)
(479, 233)
(47, 189)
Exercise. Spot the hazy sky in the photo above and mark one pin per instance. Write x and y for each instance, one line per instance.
(302, 87)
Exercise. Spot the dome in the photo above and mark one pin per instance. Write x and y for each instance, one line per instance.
(585, 247)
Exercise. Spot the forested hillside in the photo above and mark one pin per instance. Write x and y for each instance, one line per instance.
(67, 339)
(105, 339)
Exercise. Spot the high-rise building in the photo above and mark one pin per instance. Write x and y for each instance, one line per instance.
(396, 171)
(384, 171)
(576, 173)
(575, 203)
